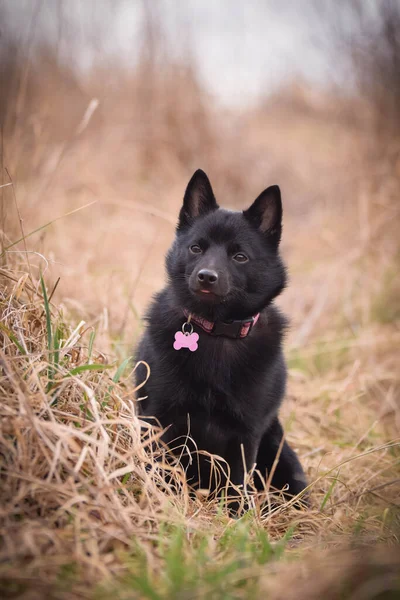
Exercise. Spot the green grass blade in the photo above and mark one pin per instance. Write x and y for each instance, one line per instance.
(265, 550)
(50, 372)
(48, 315)
(142, 582)
(329, 492)
(12, 337)
(121, 369)
(91, 342)
(125, 478)
(56, 346)
(93, 367)
(87, 414)
(175, 567)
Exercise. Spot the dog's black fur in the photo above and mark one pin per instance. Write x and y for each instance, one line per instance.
(227, 393)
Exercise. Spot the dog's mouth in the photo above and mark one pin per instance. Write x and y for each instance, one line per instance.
(207, 295)
(205, 292)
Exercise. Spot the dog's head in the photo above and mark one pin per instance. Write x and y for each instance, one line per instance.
(224, 264)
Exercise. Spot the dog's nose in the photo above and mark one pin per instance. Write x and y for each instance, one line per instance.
(207, 276)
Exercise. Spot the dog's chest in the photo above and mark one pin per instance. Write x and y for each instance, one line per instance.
(219, 378)
(219, 362)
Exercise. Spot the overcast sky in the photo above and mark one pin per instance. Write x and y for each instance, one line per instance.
(241, 48)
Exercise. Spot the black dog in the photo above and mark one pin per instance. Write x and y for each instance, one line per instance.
(224, 271)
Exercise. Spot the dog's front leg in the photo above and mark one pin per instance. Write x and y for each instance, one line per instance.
(288, 471)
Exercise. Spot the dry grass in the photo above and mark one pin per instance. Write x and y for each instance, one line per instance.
(83, 502)
(85, 511)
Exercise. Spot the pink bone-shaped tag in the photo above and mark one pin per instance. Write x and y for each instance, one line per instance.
(188, 340)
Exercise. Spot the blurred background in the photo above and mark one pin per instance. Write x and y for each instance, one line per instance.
(107, 108)
(114, 104)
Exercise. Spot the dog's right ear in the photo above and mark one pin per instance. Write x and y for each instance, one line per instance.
(199, 199)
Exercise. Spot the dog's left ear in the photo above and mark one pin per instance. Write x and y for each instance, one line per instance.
(266, 214)
(199, 199)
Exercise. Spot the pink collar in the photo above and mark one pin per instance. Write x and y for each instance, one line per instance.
(233, 329)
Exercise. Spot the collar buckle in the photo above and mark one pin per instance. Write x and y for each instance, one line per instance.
(231, 329)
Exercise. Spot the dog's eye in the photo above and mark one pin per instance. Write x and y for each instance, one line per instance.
(195, 249)
(240, 257)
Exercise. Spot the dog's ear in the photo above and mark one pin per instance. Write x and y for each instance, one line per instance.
(266, 214)
(198, 200)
